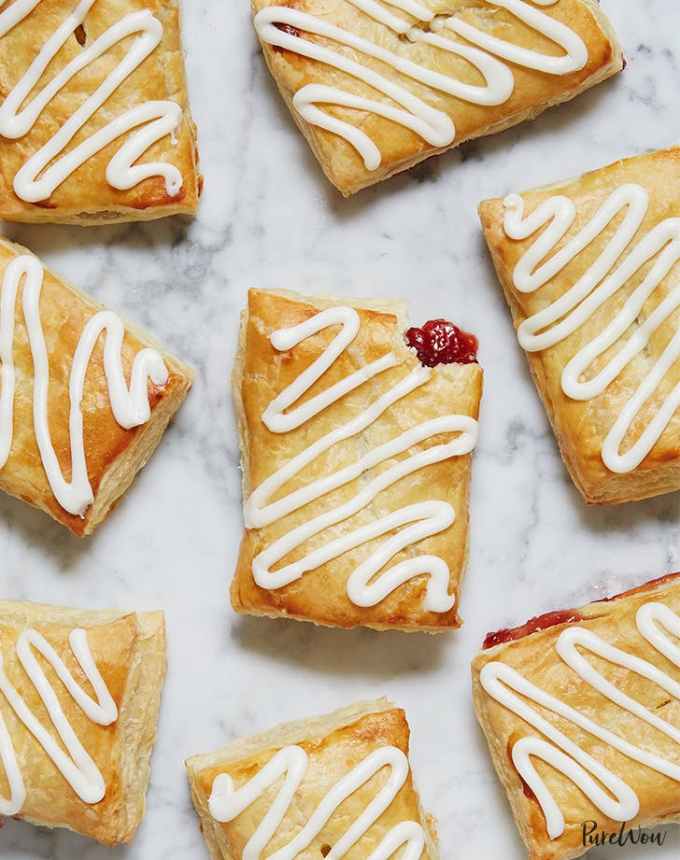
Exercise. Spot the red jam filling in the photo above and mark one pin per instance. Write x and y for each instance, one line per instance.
(566, 616)
(648, 586)
(288, 28)
(540, 622)
(442, 342)
(528, 793)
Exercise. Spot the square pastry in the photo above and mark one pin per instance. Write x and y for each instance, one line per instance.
(85, 399)
(581, 711)
(333, 786)
(94, 115)
(590, 271)
(378, 85)
(356, 462)
(79, 700)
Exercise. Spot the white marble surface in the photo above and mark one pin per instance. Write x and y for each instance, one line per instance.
(269, 219)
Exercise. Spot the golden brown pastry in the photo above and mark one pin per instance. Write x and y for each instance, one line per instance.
(581, 711)
(95, 128)
(85, 399)
(356, 464)
(377, 86)
(589, 271)
(79, 700)
(270, 790)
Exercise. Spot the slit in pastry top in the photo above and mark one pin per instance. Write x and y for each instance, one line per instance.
(75, 765)
(409, 525)
(612, 270)
(291, 763)
(283, 27)
(130, 405)
(50, 166)
(660, 627)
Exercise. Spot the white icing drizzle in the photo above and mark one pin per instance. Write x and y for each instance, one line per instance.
(600, 282)
(420, 520)
(227, 803)
(432, 125)
(130, 406)
(76, 765)
(156, 118)
(506, 685)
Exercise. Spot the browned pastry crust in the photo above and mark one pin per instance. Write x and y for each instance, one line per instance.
(400, 147)
(581, 426)
(129, 651)
(335, 744)
(534, 655)
(260, 373)
(114, 454)
(86, 198)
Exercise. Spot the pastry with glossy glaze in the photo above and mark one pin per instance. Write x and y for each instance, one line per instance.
(410, 581)
(581, 712)
(376, 86)
(324, 757)
(128, 652)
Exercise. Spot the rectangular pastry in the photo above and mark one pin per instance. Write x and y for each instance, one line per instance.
(85, 399)
(94, 119)
(356, 462)
(79, 700)
(333, 786)
(581, 711)
(589, 269)
(378, 85)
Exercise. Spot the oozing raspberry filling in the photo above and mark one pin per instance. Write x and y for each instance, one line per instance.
(541, 622)
(647, 586)
(442, 342)
(288, 28)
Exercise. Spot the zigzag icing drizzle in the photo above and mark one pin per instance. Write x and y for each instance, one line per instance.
(130, 406)
(227, 803)
(403, 107)
(619, 802)
(597, 285)
(420, 520)
(156, 118)
(75, 765)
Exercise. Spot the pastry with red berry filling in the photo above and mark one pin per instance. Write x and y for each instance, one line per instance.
(580, 710)
(377, 86)
(357, 434)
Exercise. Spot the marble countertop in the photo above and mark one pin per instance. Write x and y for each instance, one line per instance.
(269, 219)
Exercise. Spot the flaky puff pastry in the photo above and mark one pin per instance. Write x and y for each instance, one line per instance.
(129, 652)
(113, 454)
(400, 147)
(531, 651)
(582, 426)
(86, 197)
(261, 373)
(335, 744)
